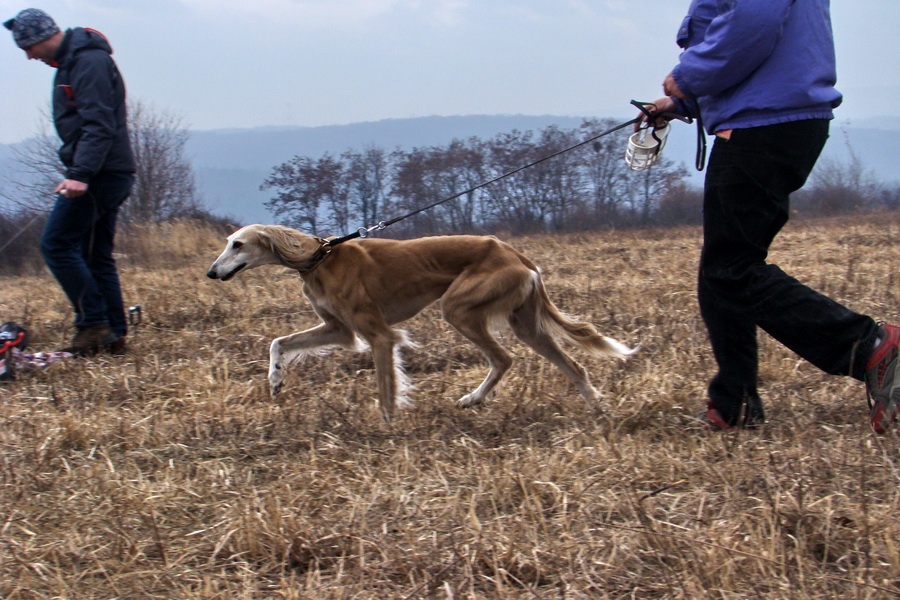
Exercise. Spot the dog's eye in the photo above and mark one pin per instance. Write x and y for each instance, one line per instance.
(236, 244)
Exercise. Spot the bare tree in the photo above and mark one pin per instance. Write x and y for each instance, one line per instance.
(680, 204)
(889, 196)
(305, 189)
(561, 176)
(165, 187)
(164, 179)
(336, 193)
(368, 179)
(465, 162)
(37, 169)
(606, 174)
(27, 195)
(650, 186)
(520, 202)
(837, 188)
(426, 176)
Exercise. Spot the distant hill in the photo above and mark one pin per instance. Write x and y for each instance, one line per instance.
(230, 164)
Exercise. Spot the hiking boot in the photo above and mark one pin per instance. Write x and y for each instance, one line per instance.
(750, 417)
(883, 379)
(119, 347)
(714, 420)
(91, 339)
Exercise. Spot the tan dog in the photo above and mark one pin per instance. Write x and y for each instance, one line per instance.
(363, 287)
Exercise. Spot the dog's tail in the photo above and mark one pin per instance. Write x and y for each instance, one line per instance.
(579, 333)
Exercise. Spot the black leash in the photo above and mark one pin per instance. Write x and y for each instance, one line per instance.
(21, 231)
(364, 231)
(648, 115)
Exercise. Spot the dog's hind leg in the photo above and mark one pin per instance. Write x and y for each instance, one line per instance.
(285, 350)
(473, 325)
(525, 323)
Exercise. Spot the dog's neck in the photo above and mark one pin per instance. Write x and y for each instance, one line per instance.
(315, 259)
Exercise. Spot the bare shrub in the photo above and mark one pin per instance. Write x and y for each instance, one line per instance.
(20, 234)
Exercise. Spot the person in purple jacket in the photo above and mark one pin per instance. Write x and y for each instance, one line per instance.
(761, 75)
(90, 117)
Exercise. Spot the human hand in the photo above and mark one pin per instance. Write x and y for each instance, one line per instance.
(670, 88)
(659, 106)
(71, 188)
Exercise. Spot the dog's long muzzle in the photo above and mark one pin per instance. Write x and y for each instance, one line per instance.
(213, 272)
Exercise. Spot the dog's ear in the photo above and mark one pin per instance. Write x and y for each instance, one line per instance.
(271, 243)
(264, 239)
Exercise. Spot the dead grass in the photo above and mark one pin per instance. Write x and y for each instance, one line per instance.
(170, 473)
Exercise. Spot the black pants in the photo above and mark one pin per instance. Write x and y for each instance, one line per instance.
(746, 203)
(77, 245)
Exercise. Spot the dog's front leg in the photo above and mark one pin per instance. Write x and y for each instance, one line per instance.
(285, 350)
(276, 366)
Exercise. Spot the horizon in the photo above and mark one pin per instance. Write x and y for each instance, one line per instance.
(888, 122)
(304, 63)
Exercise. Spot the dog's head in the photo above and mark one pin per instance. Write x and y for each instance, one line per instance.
(256, 245)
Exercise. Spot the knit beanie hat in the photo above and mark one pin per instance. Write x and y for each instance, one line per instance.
(31, 26)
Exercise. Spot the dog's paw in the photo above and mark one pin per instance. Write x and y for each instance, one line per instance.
(470, 400)
(276, 381)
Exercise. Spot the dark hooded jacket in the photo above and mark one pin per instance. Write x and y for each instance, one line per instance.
(89, 108)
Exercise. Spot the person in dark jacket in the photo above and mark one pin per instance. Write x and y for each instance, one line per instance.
(89, 113)
(761, 74)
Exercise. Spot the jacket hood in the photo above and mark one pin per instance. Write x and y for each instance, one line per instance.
(79, 39)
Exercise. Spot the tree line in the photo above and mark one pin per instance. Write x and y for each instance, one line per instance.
(582, 189)
(585, 188)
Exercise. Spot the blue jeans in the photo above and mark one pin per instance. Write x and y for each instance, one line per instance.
(77, 246)
(745, 205)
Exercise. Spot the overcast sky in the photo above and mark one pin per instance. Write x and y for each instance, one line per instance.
(247, 63)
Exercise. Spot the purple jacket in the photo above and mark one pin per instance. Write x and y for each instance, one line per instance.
(750, 63)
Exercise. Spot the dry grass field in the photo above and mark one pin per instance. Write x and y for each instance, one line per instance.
(170, 473)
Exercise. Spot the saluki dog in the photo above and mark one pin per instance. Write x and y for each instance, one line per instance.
(361, 288)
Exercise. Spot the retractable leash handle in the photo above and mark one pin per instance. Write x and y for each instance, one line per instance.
(646, 144)
(648, 141)
(651, 114)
